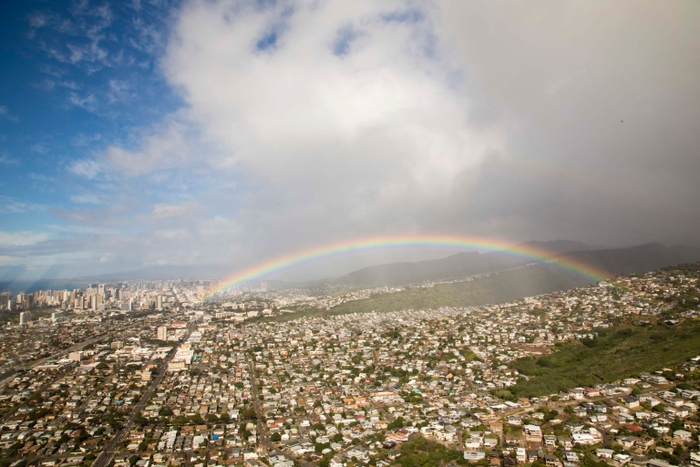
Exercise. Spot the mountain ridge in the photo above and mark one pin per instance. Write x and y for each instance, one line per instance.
(616, 261)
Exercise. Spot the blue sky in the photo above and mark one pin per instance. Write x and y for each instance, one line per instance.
(76, 78)
(227, 132)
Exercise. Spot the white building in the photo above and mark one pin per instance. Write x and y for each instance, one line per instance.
(24, 318)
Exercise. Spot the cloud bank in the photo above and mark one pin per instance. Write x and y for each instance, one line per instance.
(307, 122)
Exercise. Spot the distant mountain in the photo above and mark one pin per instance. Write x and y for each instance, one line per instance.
(617, 261)
(512, 284)
(641, 258)
(457, 265)
(560, 246)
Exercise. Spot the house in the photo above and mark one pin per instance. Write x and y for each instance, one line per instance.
(490, 443)
(627, 441)
(472, 444)
(474, 456)
(565, 442)
(550, 440)
(630, 402)
(645, 442)
(695, 458)
(682, 435)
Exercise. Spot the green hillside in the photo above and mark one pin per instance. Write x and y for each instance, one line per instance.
(500, 287)
(497, 288)
(616, 353)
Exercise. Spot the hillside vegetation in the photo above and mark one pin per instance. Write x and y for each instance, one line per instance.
(498, 287)
(616, 353)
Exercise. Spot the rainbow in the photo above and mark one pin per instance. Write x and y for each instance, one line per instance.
(371, 243)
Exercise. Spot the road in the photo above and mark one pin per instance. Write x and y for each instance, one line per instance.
(55, 377)
(10, 373)
(112, 445)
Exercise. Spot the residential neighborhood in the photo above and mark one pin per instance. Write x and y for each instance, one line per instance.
(191, 383)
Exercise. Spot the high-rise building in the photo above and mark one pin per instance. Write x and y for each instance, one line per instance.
(5, 298)
(160, 302)
(263, 286)
(162, 333)
(24, 318)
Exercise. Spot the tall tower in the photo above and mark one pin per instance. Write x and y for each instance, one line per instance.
(24, 318)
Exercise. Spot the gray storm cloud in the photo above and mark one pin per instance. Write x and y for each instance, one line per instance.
(600, 102)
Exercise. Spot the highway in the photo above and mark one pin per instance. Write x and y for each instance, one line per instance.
(10, 373)
(53, 378)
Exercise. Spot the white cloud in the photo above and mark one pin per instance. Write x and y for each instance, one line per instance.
(7, 160)
(5, 112)
(87, 102)
(85, 168)
(167, 148)
(11, 205)
(22, 238)
(331, 127)
(86, 198)
(82, 140)
(365, 118)
(164, 211)
(39, 148)
(118, 91)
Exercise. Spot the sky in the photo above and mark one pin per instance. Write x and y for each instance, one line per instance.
(157, 133)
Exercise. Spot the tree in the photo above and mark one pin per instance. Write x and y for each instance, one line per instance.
(139, 419)
(398, 423)
(276, 437)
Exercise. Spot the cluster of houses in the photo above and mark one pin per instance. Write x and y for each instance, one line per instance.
(350, 390)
